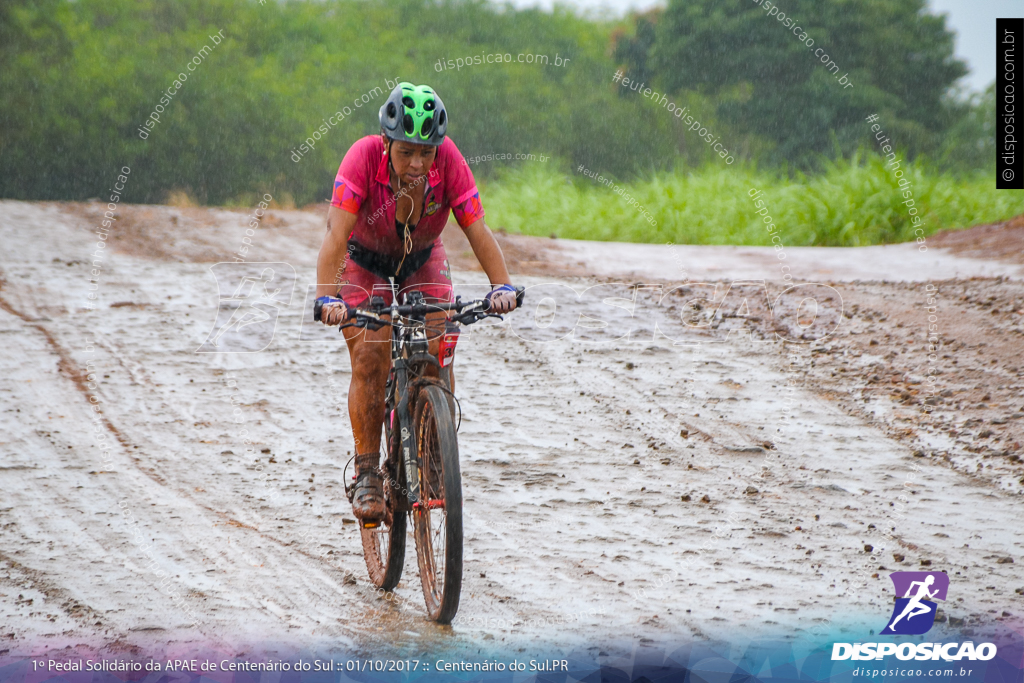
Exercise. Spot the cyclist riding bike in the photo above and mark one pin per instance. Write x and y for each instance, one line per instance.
(392, 199)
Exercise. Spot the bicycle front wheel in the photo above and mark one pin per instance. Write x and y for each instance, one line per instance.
(384, 545)
(438, 513)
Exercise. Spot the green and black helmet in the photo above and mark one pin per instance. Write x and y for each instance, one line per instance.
(414, 113)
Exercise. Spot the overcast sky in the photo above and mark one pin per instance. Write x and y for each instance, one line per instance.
(974, 22)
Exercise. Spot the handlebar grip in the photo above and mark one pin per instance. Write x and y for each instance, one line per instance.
(318, 308)
(520, 295)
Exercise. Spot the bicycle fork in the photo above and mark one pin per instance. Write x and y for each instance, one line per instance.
(407, 434)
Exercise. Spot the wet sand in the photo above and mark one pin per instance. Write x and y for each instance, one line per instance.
(618, 489)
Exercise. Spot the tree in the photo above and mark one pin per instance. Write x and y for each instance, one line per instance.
(970, 142)
(635, 50)
(804, 73)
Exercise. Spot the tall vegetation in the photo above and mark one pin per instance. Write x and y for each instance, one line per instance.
(852, 202)
(78, 78)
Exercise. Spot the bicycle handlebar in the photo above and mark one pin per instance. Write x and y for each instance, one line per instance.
(467, 312)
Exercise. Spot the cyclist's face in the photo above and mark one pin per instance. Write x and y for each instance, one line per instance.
(411, 161)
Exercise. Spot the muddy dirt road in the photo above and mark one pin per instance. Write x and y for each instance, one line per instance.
(617, 488)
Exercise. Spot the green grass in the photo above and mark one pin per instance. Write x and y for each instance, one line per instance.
(853, 203)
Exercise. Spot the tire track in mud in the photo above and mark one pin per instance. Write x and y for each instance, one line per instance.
(78, 377)
(27, 579)
(539, 545)
(67, 366)
(70, 370)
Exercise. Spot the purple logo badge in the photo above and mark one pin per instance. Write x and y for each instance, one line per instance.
(914, 612)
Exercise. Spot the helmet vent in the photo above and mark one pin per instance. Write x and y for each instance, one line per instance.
(413, 113)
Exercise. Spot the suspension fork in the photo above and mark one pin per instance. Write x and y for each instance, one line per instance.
(407, 434)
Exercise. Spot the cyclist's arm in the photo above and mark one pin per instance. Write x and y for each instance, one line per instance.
(488, 253)
(332, 251)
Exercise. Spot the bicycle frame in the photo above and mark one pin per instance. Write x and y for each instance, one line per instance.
(401, 365)
(421, 408)
(410, 348)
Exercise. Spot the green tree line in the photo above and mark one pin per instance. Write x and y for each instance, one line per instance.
(797, 77)
(79, 79)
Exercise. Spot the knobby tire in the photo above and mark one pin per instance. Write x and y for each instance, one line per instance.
(384, 546)
(438, 519)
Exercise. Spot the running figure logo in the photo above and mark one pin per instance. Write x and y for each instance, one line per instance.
(251, 298)
(914, 613)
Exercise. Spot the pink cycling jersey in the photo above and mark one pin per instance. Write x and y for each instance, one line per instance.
(363, 187)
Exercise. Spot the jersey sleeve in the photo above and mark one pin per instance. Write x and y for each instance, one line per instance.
(353, 177)
(461, 192)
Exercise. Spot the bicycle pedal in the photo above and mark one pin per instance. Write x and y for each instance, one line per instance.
(370, 525)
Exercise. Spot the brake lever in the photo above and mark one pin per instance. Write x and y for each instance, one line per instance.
(364, 322)
(471, 317)
(370, 323)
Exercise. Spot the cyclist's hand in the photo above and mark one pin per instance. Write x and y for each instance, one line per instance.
(333, 311)
(502, 299)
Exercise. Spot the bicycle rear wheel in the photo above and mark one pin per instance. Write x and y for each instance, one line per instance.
(384, 545)
(437, 516)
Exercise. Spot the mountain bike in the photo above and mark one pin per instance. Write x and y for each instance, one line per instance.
(420, 468)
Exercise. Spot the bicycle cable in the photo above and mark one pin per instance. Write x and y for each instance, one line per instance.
(344, 478)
